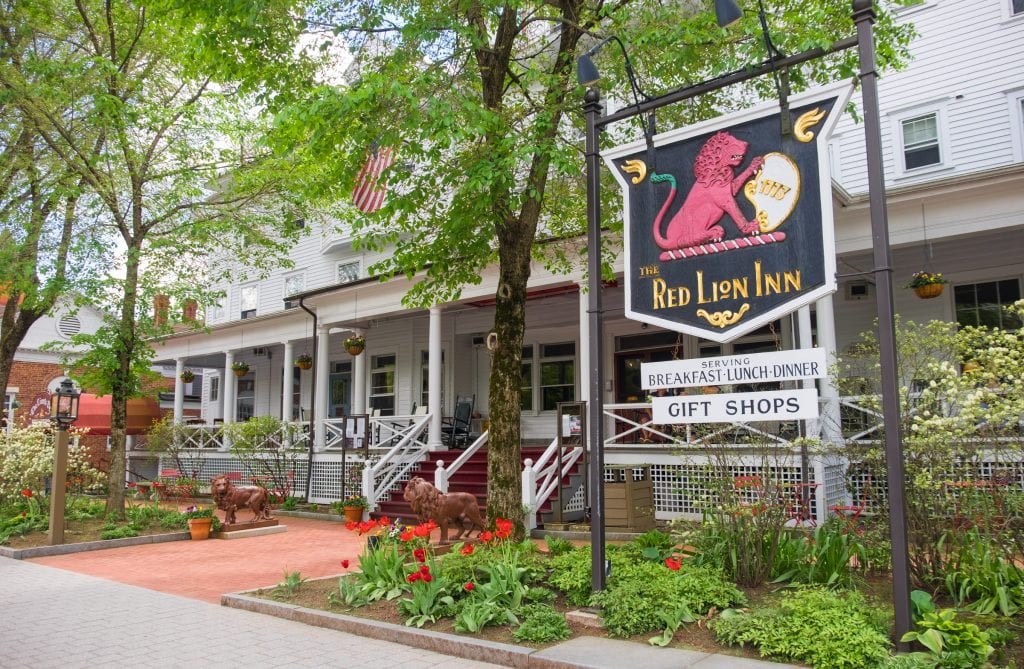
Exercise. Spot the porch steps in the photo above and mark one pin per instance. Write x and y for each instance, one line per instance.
(471, 477)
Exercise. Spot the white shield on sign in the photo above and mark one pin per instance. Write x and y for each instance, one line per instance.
(774, 190)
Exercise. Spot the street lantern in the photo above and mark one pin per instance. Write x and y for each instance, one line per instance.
(64, 404)
(63, 412)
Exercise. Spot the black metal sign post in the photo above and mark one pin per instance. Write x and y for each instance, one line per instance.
(863, 15)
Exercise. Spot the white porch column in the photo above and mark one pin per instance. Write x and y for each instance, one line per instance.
(323, 377)
(584, 355)
(286, 380)
(359, 380)
(179, 390)
(806, 341)
(230, 388)
(435, 367)
(830, 427)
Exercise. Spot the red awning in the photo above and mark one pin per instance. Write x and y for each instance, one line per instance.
(94, 413)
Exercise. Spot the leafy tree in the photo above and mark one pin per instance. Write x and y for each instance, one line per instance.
(44, 244)
(180, 93)
(480, 101)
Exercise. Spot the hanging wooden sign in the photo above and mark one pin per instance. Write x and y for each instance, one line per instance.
(728, 223)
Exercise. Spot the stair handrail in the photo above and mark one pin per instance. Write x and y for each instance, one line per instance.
(541, 478)
(379, 478)
(442, 474)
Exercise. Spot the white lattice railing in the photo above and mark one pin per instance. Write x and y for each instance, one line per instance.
(201, 436)
(542, 478)
(632, 425)
(410, 448)
(443, 474)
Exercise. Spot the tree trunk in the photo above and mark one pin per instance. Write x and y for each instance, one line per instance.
(13, 328)
(123, 382)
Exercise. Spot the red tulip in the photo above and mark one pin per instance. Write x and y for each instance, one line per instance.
(469, 587)
(344, 564)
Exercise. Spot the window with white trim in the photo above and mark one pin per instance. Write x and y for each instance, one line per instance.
(294, 284)
(382, 384)
(985, 303)
(7, 417)
(425, 378)
(348, 271)
(249, 300)
(557, 374)
(214, 388)
(217, 312)
(1017, 7)
(920, 136)
(526, 386)
(1015, 100)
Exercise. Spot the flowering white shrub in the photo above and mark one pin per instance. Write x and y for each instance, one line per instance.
(26, 461)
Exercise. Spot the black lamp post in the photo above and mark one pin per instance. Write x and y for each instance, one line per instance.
(63, 412)
(728, 12)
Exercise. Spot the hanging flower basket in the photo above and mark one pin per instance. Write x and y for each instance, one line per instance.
(304, 361)
(929, 291)
(240, 368)
(355, 345)
(188, 376)
(927, 285)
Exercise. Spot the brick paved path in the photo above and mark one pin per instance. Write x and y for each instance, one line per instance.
(58, 618)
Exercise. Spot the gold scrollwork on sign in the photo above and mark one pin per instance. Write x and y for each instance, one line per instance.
(637, 167)
(807, 120)
(721, 319)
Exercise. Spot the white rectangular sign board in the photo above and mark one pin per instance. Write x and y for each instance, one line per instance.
(798, 404)
(804, 363)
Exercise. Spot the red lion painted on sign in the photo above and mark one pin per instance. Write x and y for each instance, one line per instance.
(712, 196)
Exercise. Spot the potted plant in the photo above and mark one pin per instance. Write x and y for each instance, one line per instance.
(304, 361)
(355, 344)
(353, 506)
(188, 376)
(240, 368)
(927, 285)
(201, 522)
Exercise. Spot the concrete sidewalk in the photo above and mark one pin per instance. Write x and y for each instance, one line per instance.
(61, 619)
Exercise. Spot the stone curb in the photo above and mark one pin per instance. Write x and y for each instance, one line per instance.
(67, 549)
(448, 644)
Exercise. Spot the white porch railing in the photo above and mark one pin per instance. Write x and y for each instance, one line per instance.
(410, 446)
(202, 436)
(442, 474)
(632, 425)
(542, 478)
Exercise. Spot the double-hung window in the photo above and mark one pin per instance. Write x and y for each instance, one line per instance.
(921, 146)
(249, 299)
(985, 303)
(557, 374)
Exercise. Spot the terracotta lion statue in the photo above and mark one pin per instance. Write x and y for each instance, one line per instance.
(459, 510)
(711, 197)
(229, 498)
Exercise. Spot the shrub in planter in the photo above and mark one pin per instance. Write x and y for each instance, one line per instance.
(541, 624)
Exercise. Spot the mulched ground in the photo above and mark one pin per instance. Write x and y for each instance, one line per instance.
(76, 531)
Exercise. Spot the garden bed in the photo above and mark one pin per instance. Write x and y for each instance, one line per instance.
(313, 594)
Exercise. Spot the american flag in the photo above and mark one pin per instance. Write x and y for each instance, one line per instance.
(368, 195)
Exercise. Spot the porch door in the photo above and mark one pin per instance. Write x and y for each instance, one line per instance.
(341, 389)
(627, 372)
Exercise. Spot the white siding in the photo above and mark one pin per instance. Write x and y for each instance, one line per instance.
(966, 58)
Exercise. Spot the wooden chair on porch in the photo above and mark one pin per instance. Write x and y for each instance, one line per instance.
(456, 427)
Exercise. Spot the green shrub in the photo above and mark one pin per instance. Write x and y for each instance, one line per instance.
(639, 593)
(540, 625)
(941, 633)
(825, 560)
(570, 573)
(538, 594)
(826, 629)
(978, 578)
(122, 532)
(473, 615)
(557, 546)
(653, 545)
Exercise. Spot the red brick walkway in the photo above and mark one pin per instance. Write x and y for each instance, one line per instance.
(206, 569)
